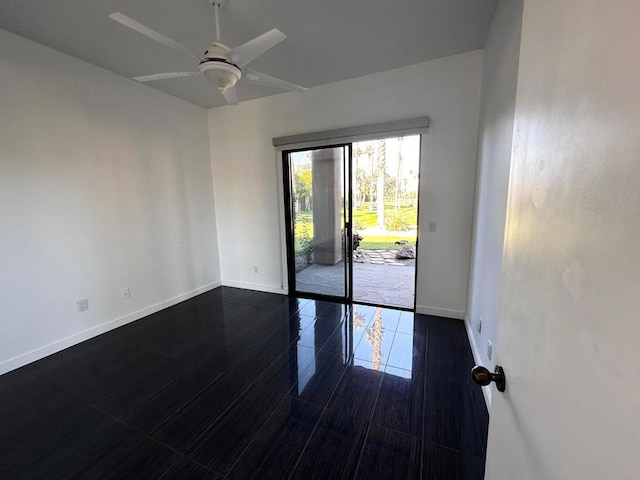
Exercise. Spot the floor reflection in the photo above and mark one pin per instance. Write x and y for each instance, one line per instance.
(360, 337)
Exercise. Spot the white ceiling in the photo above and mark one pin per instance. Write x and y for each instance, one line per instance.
(327, 40)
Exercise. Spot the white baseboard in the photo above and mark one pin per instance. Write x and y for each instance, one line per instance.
(255, 286)
(440, 312)
(486, 391)
(58, 345)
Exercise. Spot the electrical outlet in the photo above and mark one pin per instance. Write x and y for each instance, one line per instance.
(479, 325)
(489, 349)
(255, 269)
(126, 293)
(432, 226)
(83, 305)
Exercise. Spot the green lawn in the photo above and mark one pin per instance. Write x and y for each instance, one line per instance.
(362, 219)
(375, 242)
(385, 242)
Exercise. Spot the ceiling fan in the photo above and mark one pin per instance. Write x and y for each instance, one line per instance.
(222, 65)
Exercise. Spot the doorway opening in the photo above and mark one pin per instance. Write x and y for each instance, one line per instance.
(351, 220)
(385, 182)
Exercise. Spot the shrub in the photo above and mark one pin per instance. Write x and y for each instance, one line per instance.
(357, 238)
(306, 244)
(397, 221)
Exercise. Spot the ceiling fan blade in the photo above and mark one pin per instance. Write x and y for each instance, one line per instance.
(163, 76)
(247, 52)
(259, 78)
(147, 32)
(230, 95)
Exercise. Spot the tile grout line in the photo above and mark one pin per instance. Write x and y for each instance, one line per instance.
(306, 445)
(236, 400)
(424, 394)
(284, 398)
(369, 423)
(133, 429)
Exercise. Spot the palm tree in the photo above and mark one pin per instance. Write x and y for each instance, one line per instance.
(398, 175)
(372, 177)
(382, 153)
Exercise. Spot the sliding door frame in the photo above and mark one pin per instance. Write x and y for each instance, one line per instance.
(347, 204)
(335, 138)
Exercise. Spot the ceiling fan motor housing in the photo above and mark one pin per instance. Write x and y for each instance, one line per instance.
(218, 68)
(217, 51)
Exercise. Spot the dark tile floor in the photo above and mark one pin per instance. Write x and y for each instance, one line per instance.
(239, 384)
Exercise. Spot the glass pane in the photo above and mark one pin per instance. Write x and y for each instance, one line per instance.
(317, 193)
(385, 220)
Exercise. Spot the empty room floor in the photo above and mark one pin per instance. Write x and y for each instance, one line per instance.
(238, 384)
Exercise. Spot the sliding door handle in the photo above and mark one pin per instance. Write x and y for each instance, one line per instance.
(484, 377)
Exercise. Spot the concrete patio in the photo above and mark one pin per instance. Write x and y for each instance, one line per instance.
(382, 280)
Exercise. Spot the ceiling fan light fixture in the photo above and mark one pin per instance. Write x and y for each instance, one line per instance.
(223, 75)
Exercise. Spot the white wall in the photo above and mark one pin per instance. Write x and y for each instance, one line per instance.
(568, 327)
(246, 179)
(497, 104)
(104, 184)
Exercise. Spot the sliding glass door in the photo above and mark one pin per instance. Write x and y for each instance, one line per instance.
(318, 202)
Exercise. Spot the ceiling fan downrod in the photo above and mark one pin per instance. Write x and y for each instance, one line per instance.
(216, 7)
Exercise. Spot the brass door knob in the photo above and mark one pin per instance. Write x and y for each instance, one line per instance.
(484, 377)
